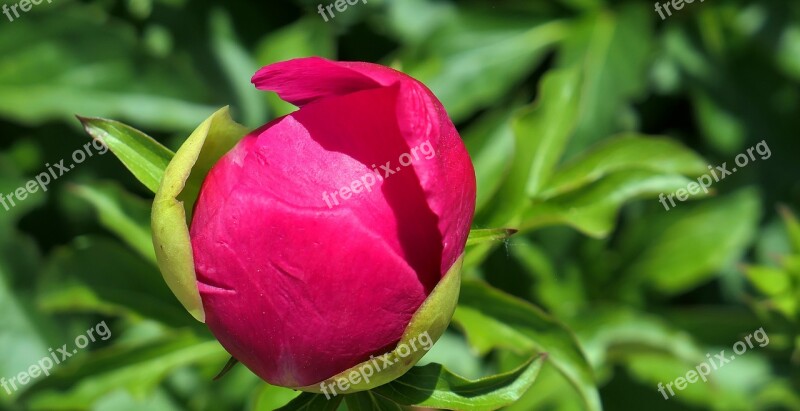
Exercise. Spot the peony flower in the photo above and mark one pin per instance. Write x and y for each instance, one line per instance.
(319, 237)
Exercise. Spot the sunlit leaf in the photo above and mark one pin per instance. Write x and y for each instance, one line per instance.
(143, 156)
(492, 319)
(593, 209)
(612, 49)
(436, 387)
(541, 133)
(627, 152)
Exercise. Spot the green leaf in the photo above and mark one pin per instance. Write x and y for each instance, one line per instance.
(490, 143)
(145, 157)
(453, 351)
(10, 180)
(492, 319)
(22, 330)
(175, 200)
(552, 391)
(549, 126)
(435, 387)
(779, 395)
(312, 402)
(477, 57)
(789, 50)
(34, 104)
(627, 152)
(770, 281)
(558, 291)
(696, 244)
(370, 401)
(230, 365)
(593, 209)
(121, 400)
(612, 333)
(21, 339)
(612, 50)
(479, 236)
(540, 133)
(112, 75)
(414, 21)
(650, 350)
(19, 253)
(124, 214)
(137, 369)
(723, 130)
(792, 227)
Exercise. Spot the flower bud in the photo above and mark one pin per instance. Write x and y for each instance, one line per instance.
(333, 235)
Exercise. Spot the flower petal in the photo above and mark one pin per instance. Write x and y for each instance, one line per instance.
(297, 315)
(448, 179)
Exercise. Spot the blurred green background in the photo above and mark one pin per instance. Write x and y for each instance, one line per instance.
(564, 106)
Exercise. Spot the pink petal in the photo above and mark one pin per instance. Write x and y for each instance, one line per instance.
(448, 180)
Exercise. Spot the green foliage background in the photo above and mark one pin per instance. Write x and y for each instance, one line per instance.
(577, 114)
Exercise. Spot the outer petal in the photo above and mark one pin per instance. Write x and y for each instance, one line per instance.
(448, 180)
(299, 81)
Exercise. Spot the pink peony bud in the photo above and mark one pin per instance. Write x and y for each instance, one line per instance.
(320, 235)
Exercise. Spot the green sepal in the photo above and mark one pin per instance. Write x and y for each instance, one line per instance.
(175, 200)
(488, 235)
